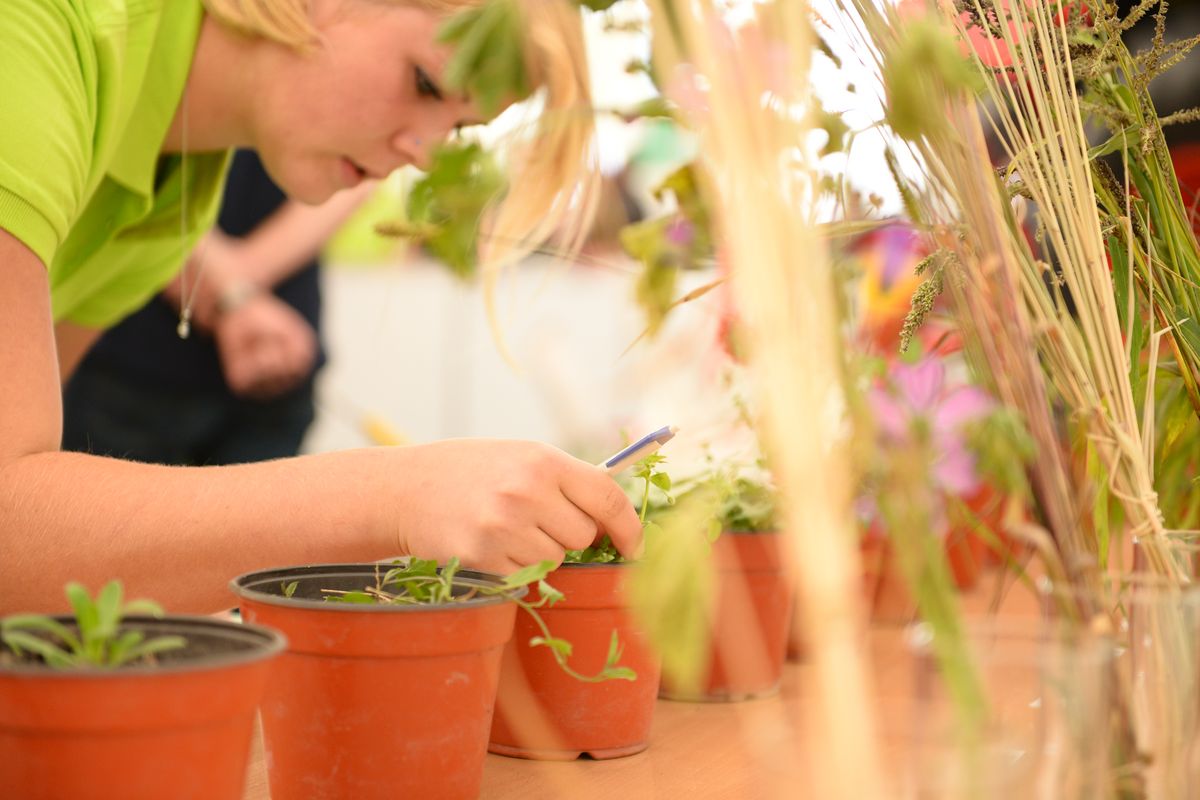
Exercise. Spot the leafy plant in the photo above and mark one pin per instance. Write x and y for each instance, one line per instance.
(669, 244)
(422, 582)
(97, 639)
(604, 552)
(447, 204)
(747, 504)
(488, 61)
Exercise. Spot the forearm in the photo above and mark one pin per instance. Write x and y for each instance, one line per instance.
(178, 534)
(293, 235)
(224, 270)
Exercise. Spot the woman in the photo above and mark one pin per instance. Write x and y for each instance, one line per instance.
(240, 388)
(115, 121)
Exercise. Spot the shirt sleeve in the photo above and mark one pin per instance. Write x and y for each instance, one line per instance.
(47, 114)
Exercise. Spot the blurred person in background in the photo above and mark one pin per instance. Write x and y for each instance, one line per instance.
(239, 387)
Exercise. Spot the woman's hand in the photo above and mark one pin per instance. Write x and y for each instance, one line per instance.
(501, 505)
(266, 348)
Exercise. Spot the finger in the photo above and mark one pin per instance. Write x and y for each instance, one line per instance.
(567, 525)
(297, 359)
(506, 566)
(270, 363)
(533, 547)
(266, 389)
(596, 494)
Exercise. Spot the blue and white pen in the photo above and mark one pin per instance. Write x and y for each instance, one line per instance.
(638, 450)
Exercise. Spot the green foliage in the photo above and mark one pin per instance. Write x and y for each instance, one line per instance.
(446, 205)
(835, 128)
(488, 61)
(926, 63)
(1003, 449)
(747, 505)
(671, 588)
(678, 241)
(647, 471)
(597, 5)
(97, 638)
(422, 582)
(602, 552)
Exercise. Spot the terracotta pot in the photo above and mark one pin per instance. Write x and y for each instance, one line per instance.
(988, 506)
(544, 713)
(886, 594)
(966, 553)
(797, 644)
(750, 626)
(376, 701)
(180, 728)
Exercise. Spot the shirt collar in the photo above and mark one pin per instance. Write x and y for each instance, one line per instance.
(135, 159)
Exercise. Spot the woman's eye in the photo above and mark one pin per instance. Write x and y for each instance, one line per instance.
(425, 85)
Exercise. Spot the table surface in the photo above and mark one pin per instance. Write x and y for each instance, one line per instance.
(748, 750)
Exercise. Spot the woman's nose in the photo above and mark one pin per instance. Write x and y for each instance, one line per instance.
(417, 143)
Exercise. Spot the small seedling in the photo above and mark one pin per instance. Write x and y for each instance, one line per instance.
(96, 640)
(421, 582)
(604, 552)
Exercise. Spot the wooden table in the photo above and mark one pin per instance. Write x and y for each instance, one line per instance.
(747, 750)
(743, 751)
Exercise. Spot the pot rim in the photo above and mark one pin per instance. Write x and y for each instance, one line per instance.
(270, 644)
(243, 585)
(592, 564)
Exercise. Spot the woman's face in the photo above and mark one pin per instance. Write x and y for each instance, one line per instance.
(370, 100)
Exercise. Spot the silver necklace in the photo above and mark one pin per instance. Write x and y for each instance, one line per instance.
(187, 299)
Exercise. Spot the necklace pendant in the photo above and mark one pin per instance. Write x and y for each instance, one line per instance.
(183, 328)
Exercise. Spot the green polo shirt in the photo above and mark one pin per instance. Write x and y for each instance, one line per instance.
(88, 93)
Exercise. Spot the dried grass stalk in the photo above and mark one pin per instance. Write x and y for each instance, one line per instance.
(785, 288)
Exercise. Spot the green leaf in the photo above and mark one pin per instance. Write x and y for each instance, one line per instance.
(351, 597)
(488, 62)
(450, 200)
(37, 622)
(925, 62)
(836, 131)
(619, 673)
(108, 609)
(654, 107)
(20, 641)
(118, 650)
(614, 649)
(603, 552)
(1188, 328)
(86, 615)
(445, 591)
(549, 593)
(1124, 139)
(561, 647)
(662, 480)
(288, 589)
(148, 608)
(529, 574)
(671, 586)
(157, 645)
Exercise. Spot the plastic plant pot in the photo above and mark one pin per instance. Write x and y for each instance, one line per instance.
(749, 628)
(544, 713)
(375, 701)
(179, 728)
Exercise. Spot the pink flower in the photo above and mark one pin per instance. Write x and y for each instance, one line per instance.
(919, 406)
(680, 232)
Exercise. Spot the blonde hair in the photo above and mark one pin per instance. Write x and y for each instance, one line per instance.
(554, 180)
